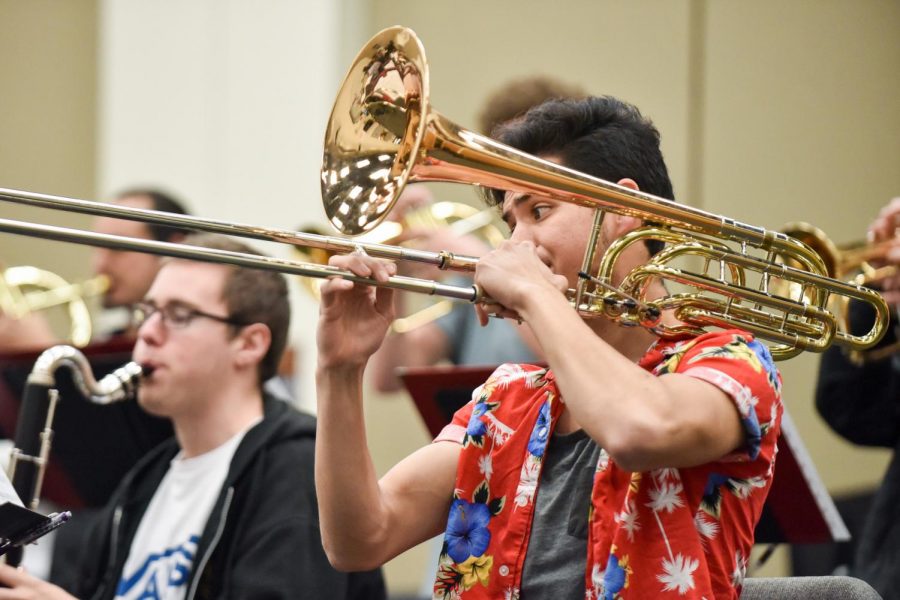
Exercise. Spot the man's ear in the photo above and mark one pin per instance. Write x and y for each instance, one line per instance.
(622, 224)
(253, 342)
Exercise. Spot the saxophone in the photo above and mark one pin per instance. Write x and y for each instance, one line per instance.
(34, 428)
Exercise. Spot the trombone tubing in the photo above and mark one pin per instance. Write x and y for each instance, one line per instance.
(239, 259)
(442, 260)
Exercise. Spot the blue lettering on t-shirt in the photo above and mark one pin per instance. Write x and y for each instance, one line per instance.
(160, 573)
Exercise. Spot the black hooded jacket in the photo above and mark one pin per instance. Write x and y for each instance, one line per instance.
(262, 538)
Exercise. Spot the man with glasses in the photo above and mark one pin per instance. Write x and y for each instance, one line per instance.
(227, 508)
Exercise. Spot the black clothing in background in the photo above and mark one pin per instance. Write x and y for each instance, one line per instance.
(862, 404)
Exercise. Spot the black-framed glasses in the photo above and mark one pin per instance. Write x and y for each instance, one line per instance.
(176, 316)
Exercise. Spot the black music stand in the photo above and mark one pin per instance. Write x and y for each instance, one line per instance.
(93, 445)
(799, 509)
(438, 392)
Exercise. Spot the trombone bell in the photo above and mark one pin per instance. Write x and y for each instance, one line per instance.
(374, 133)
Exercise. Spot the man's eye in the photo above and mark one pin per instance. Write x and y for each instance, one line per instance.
(538, 211)
(180, 315)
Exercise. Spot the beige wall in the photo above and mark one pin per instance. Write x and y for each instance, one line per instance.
(47, 117)
(474, 47)
(769, 112)
(803, 123)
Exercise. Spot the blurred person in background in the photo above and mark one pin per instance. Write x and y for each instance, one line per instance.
(128, 275)
(131, 273)
(860, 400)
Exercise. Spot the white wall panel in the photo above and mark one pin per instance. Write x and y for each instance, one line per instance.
(223, 102)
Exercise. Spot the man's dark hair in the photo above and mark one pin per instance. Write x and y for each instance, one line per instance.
(253, 296)
(599, 135)
(162, 201)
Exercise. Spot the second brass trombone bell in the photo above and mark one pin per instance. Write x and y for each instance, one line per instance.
(25, 290)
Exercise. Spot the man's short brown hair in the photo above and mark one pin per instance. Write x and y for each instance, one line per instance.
(253, 296)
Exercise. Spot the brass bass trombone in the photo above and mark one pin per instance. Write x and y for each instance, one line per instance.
(384, 134)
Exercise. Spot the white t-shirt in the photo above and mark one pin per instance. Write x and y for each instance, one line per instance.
(164, 547)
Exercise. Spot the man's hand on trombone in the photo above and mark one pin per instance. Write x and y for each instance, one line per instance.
(354, 318)
(511, 275)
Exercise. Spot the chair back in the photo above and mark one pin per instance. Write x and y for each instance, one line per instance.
(807, 588)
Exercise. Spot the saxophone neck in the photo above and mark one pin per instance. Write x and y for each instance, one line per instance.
(119, 385)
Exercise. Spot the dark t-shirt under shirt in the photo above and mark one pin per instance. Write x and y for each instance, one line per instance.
(557, 550)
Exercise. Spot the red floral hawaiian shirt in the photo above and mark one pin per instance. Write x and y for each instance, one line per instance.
(667, 533)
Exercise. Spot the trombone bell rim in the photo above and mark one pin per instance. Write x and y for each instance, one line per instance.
(372, 141)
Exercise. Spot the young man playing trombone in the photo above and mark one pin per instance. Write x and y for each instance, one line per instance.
(632, 468)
